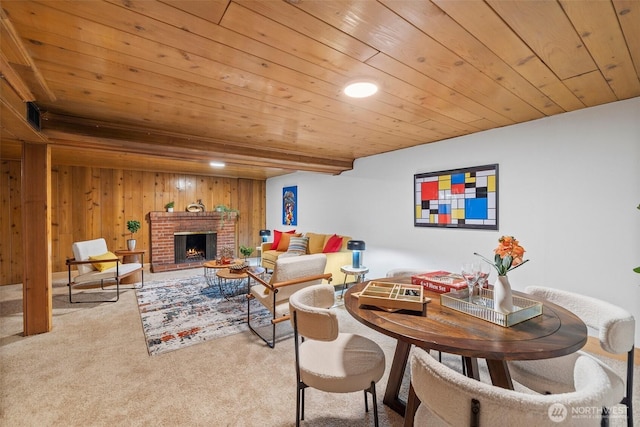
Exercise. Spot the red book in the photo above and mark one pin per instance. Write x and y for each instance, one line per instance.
(440, 281)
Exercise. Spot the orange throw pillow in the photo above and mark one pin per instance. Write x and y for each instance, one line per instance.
(276, 238)
(333, 244)
(285, 238)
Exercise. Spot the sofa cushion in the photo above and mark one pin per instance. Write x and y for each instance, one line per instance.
(102, 266)
(283, 245)
(334, 244)
(110, 273)
(298, 245)
(277, 235)
(316, 242)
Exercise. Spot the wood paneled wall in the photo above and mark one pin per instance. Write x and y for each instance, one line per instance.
(92, 202)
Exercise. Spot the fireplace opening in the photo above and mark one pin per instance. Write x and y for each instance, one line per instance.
(194, 246)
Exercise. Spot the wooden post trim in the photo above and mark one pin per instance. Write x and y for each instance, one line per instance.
(36, 238)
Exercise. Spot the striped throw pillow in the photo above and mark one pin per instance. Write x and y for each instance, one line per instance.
(298, 245)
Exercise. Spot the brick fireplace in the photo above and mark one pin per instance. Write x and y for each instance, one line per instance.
(164, 225)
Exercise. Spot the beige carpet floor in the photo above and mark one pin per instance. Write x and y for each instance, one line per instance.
(93, 369)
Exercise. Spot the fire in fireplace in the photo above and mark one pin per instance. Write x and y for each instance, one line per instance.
(194, 246)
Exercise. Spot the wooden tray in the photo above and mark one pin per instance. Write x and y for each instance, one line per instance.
(394, 296)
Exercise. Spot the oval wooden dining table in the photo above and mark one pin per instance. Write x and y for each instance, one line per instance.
(556, 332)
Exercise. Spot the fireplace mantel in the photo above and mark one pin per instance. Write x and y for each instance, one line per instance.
(164, 224)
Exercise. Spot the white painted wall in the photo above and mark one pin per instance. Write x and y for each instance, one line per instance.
(568, 190)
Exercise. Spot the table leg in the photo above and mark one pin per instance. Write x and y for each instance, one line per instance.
(471, 366)
(209, 278)
(213, 280)
(412, 406)
(344, 286)
(396, 374)
(499, 372)
(132, 278)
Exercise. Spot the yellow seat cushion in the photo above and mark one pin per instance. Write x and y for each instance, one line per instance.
(102, 266)
(316, 242)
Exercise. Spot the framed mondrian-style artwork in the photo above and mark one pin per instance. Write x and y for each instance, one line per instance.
(457, 198)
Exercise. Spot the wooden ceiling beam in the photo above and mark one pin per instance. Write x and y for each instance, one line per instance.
(13, 40)
(13, 112)
(83, 133)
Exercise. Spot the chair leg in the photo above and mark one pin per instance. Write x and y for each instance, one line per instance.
(604, 420)
(628, 399)
(271, 343)
(70, 285)
(299, 405)
(372, 390)
(375, 403)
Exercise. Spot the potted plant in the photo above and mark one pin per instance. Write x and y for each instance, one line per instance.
(246, 251)
(225, 213)
(169, 206)
(133, 226)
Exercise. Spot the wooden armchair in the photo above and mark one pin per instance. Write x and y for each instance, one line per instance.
(289, 275)
(96, 264)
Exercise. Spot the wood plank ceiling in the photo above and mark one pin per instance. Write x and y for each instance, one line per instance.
(170, 85)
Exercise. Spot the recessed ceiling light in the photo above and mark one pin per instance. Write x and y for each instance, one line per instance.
(360, 89)
(216, 164)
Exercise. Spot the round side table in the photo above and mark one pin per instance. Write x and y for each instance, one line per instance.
(210, 268)
(349, 270)
(233, 281)
(129, 257)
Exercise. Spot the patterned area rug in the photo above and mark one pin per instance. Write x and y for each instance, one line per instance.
(181, 312)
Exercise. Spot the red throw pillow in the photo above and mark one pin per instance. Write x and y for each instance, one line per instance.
(276, 237)
(333, 244)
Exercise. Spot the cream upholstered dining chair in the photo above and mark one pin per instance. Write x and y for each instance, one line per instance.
(616, 332)
(446, 397)
(95, 264)
(327, 359)
(289, 275)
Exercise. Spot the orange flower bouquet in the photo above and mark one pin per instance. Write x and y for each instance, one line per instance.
(508, 256)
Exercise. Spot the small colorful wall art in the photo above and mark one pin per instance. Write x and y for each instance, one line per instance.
(290, 205)
(458, 198)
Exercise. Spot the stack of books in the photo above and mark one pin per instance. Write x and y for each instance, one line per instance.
(440, 281)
